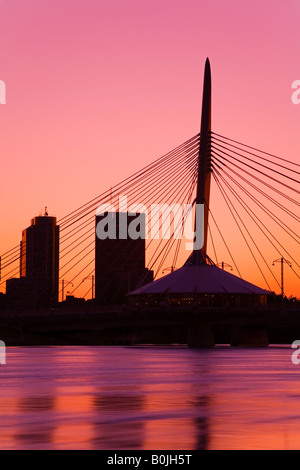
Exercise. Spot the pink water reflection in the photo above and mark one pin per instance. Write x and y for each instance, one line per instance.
(149, 398)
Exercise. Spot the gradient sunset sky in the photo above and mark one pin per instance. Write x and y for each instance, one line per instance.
(98, 89)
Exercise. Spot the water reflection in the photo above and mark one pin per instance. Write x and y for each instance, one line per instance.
(35, 404)
(30, 432)
(25, 438)
(149, 398)
(202, 424)
(118, 403)
(118, 415)
(121, 435)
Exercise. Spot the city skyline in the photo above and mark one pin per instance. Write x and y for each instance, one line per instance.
(90, 92)
(149, 227)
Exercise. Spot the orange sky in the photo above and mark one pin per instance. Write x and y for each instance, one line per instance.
(97, 90)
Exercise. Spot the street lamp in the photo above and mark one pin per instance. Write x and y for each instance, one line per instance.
(225, 265)
(93, 283)
(64, 282)
(282, 260)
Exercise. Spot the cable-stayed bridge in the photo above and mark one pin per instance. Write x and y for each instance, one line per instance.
(251, 214)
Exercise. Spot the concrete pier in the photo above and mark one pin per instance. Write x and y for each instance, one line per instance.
(200, 336)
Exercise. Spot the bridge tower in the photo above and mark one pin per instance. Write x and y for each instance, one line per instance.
(199, 256)
(204, 159)
(199, 285)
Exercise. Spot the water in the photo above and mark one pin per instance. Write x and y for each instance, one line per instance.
(149, 398)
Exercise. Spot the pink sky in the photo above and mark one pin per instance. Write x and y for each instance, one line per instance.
(98, 89)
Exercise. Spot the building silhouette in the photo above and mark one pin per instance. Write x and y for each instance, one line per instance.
(39, 258)
(120, 261)
(21, 294)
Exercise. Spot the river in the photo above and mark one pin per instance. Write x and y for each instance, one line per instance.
(149, 397)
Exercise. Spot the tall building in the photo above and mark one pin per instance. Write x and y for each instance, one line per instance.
(39, 258)
(120, 260)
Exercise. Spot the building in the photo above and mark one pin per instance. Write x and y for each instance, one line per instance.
(2, 301)
(39, 258)
(21, 294)
(200, 284)
(120, 259)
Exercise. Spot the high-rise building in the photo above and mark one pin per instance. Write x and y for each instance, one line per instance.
(39, 258)
(120, 259)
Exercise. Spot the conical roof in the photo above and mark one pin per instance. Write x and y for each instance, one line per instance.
(199, 276)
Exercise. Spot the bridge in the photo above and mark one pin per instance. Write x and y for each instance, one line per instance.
(196, 327)
(259, 192)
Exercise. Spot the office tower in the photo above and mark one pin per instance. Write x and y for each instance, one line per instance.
(39, 260)
(120, 260)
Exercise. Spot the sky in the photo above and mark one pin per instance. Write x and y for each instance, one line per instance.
(96, 90)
